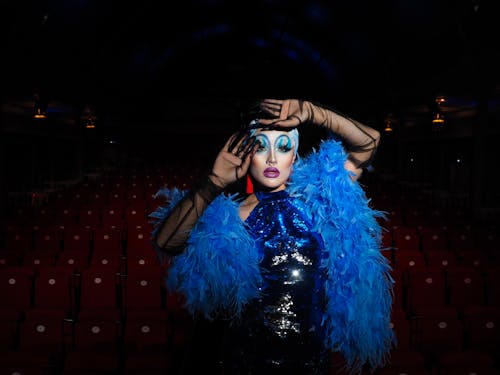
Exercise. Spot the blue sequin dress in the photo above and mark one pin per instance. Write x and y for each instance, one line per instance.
(281, 332)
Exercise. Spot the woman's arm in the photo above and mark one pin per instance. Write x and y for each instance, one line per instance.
(231, 163)
(360, 141)
(172, 232)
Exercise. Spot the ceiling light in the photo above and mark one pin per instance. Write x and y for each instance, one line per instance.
(440, 100)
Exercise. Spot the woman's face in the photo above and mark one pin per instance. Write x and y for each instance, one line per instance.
(272, 162)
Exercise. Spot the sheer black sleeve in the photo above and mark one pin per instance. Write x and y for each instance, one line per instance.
(171, 234)
(360, 141)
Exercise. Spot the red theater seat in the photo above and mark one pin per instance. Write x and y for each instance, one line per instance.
(16, 287)
(406, 239)
(437, 331)
(466, 362)
(147, 331)
(434, 239)
(426, 287)
(54, 289)
(9, 328)
(97, 331)
(78, 260)
(44, 332)
(482, 328)
(91, 363)
(406, 260)
(76, 238)
(89, 218)
(466, 287)
(143, 289)
(107, 241)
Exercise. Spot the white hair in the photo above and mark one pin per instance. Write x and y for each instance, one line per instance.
(294, 135)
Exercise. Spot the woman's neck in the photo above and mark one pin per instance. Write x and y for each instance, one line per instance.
(266, 189)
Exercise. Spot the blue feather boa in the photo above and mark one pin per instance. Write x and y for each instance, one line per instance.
(219, 271)
(359, 286)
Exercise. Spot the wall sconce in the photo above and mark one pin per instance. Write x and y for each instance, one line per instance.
(388, 126)
(90, 123)
(438, 118)
(88, 118)
(389, 121)
(39, 113)
(39, 107)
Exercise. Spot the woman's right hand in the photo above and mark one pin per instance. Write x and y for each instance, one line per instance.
(233, 160)
(288, 113)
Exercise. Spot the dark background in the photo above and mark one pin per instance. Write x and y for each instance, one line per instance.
(168, 81)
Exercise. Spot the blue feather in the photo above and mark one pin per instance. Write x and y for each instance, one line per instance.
(359, 286)
(172, 197)
(219, 271)
(158, 216)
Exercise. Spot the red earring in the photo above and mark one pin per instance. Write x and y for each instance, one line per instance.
(249, 187)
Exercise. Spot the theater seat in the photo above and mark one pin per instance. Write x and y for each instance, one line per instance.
(44, 332)
(91, 363)
(16, 287)
(466, 287)
(437, 330)
(426, 287)
(143, 289)
(54, 289)
(466, 362)
(9, 328)
(482, 328)
(409, 362)
(147, 331)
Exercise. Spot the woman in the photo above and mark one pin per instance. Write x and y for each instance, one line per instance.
(296, 265)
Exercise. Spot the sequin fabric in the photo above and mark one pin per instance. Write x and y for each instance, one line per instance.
(281, 332)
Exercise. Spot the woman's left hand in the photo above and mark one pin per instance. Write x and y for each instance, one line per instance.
(288, 113)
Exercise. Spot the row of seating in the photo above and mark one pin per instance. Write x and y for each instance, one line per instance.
(414, 287)
(74, 237)
(85, 216)
(61, 288)
(442, 259)
(458, 287)
(438, 238)
(409, 212)
(48, 340)
(79, 248)
(46, 236)
(98, 195)
(432, 334)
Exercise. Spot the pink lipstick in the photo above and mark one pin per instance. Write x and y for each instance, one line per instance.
(271, 172)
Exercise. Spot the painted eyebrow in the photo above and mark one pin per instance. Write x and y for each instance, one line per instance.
(261, 135)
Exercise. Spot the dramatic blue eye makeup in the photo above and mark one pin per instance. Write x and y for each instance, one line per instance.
(283, 143)
(263, 143)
